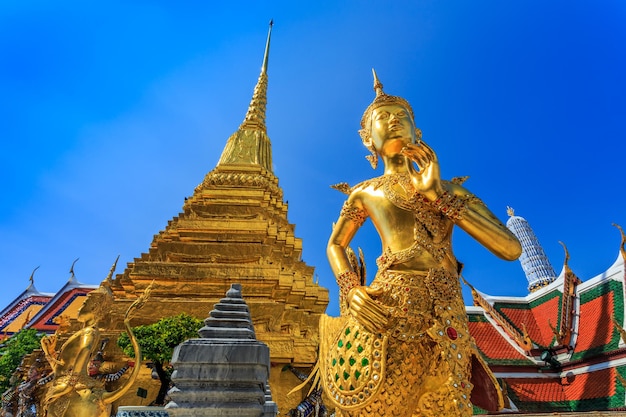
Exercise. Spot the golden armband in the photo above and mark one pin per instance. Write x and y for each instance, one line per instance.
(356, 214)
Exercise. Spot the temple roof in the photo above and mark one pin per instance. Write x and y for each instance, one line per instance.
(581, 369)
(494, 345)
(23, 308)
(65, 302)
(595, 390)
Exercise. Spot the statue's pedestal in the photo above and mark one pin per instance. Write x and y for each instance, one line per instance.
(137, 411)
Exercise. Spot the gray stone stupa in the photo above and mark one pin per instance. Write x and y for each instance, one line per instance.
(225, 372)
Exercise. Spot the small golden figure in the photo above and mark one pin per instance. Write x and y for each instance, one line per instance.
(73, 392)
(402, 346)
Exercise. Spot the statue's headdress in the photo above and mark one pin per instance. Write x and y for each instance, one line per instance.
(382, 99)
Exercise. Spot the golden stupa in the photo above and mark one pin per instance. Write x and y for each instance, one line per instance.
(233, 229)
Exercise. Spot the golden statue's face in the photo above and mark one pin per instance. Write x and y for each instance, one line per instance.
(392, 129)
(85, 312)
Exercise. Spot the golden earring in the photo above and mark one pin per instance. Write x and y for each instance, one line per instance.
(418, 134)
(373, 158)
(367, 142)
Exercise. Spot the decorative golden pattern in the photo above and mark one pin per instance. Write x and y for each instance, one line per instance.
(353, 364)
(356, 214)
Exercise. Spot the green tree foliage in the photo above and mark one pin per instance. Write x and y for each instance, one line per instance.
(157, 342)
(13, 350)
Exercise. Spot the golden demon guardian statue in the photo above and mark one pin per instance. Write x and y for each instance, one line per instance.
(401, 345)
(72, 392)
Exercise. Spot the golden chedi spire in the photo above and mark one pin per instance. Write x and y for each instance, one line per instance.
(250, 143)
(234, 229)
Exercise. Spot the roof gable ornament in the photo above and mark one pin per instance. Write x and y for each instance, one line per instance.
(622, 246)
(31, 282)
(570, 282)
(521, 338)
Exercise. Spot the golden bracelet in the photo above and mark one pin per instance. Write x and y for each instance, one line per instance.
(451, 205)
(346, 280)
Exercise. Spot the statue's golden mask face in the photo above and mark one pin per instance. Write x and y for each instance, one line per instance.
(391, 129)
(86, 311)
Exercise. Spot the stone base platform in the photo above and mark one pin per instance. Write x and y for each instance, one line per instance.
(575, 414)
(138, 411)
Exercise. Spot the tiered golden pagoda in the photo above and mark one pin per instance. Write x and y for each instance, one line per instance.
(233, 229)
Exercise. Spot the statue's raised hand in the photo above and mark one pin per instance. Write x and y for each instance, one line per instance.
(427, 180)
(365, 310)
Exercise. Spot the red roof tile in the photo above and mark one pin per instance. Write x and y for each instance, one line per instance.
(491, 343)
(536, 320)
(598, 384)
(596, 326)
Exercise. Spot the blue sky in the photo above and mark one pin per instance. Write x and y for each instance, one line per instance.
(113, 112)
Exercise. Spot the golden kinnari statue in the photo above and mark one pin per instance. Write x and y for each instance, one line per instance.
(73, 392)
(401, 345)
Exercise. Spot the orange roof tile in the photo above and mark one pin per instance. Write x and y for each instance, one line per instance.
(598, 384)
(535, 319)
(491, 343)
(595, 328)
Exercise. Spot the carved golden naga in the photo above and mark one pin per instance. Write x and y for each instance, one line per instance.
(72, 392)
(401, 345)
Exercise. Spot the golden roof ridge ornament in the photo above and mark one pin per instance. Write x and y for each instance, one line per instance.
(570, 282)
(72, 275)
(250, 145)
(622, 246)
(31, 280)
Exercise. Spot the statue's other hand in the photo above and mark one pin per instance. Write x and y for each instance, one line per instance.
(428, 180)
(420, 153)
(365, 310)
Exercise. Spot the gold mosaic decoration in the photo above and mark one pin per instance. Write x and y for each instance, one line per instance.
(353, 364)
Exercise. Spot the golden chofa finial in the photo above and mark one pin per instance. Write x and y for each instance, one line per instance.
(622, 246)
(72, 268)
(510, 211)
(566, 253)
(32, 277)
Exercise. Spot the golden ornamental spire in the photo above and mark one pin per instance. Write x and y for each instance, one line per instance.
(378, 86)
(255, 117)
(250, 144)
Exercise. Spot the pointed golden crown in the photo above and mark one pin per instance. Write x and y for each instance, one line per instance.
(382, 99)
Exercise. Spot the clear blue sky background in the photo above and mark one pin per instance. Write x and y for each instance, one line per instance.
(113, 112)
